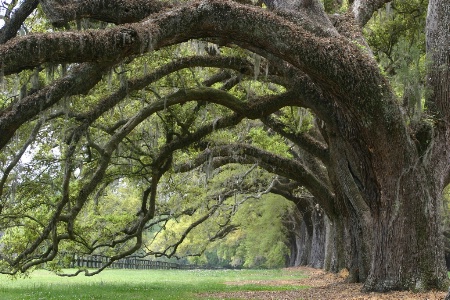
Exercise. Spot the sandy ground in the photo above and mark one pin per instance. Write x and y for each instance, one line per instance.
(324, 286)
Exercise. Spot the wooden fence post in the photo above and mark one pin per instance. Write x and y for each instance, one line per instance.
(131, 262)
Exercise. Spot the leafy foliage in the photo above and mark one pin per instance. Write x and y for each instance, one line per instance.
(396, 36)
(161, 127)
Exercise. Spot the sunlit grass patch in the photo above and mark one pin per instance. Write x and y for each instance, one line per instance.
(142, 284)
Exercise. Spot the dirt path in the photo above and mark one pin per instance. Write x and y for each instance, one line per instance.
(324, 286)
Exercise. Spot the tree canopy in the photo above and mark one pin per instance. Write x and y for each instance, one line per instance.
(133, 126)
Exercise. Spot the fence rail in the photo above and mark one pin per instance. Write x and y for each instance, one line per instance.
(131, 262)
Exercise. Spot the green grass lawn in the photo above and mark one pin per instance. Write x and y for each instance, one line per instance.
(138, 284)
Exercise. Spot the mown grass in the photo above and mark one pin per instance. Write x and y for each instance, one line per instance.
(139, 284)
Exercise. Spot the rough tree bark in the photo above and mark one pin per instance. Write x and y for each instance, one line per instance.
(386, 178)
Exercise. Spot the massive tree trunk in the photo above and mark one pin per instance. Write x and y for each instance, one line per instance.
(304, 242)
(393, 200)
(299, 237)
(438, 161)
(318, 238)
(410, 176)
(407, 240)
(308, 242)
(386, 176)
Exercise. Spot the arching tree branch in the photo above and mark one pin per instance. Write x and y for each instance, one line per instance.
(348, 72)
(364, 9)
(12, 26)
(60, 13)
(302, 140)
(79, 81)
(243, 153)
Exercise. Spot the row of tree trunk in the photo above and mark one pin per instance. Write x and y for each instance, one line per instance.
(313, 241)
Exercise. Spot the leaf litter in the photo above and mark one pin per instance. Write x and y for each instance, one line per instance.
(322, 285)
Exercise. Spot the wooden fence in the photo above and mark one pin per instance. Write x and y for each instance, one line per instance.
(131, 262)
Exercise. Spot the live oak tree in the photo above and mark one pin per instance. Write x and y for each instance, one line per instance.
(377, 172)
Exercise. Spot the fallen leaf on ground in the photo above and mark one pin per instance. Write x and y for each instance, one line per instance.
(323, 286)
